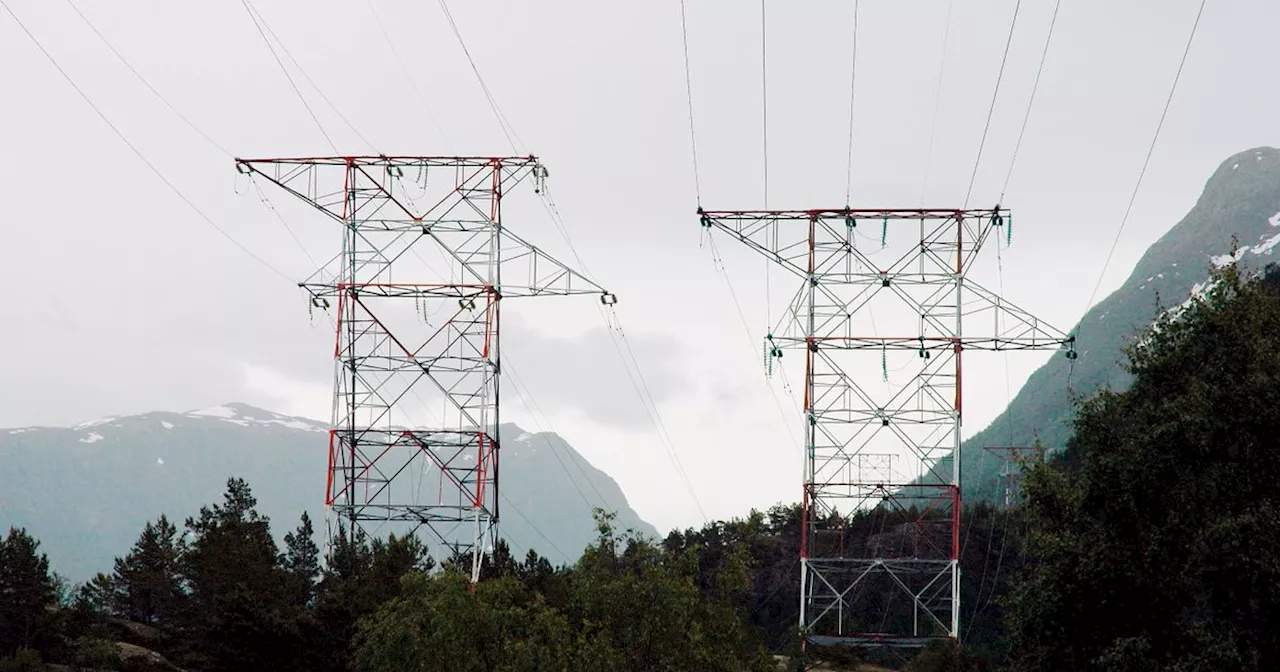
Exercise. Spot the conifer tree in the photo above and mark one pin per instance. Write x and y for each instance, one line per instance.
(302, 561)
(147, 583)
(26, 590)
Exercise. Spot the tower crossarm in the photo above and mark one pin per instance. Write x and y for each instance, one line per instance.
(414, 293)
(792, 238)
(376, 206)
(529, 271)
(894, 292)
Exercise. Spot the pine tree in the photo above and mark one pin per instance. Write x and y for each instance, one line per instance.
(241, 613)
(26, 590)
(148, 581)
(302, 561)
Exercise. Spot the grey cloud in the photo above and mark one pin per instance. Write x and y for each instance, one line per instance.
(585, 371)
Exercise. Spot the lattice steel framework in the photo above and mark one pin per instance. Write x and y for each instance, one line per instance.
(425, 263)
(914, 284)
(1009, 474)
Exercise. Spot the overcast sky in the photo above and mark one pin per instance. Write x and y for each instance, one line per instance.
(120, 299)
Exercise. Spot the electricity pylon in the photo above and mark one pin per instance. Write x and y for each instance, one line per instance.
(1008, 476)
(914, 286)
(425, 264)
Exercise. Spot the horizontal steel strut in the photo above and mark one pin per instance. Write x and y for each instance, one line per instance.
(869, 530)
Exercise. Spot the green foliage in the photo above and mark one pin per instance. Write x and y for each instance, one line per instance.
(360, 576)
(95, 653)
(239, 597)
(146, 585)
(302, 561)
(438, 624)
(26, 591)
(24, 660)
(1152, 545)
(947, 656)
(626, 605)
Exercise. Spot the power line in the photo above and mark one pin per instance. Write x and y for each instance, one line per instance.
(629, 360)
(853, 80)
(248, 10)
(262, 197)
(637, 379)
(720, 267)
(533, 527)
(144, 81)
(982, 582)
(1053, 21)
(1013, 24)
(656, 419)
(531, 405)
(1000, 266)
(982, 464)
(512, 137)
(288, 54)
(404, 69)
(937, 98)
(764, 101)
(1147, 161)
(172, 187)
(190, 124)
(764, 137)
(995, 580)
(688, 91)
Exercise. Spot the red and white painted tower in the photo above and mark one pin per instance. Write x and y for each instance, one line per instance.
(883, 312)
(415, 294)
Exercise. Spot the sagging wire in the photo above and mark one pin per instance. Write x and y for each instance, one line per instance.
(995, 94)
(138, 153)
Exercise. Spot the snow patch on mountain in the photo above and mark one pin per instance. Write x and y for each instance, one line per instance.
(215, 412)
(1266, 247)
(93, 437)
(297, 424)
(236, 414)
(166, 424)
(1274, 220)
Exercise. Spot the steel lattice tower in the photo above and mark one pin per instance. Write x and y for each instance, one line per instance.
(1008, 476)
(425, 263)
(915, 286)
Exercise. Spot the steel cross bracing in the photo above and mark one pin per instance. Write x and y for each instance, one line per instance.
(415, 295)
(872, 533)
(1008, 476)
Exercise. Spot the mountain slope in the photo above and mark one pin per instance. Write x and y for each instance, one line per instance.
(86, 491)
(1241, 199)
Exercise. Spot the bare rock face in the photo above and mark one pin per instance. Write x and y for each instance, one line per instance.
(137, 658)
